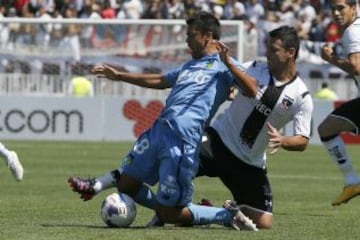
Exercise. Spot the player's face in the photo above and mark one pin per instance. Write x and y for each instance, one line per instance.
(196, 42)
(277, 56)
(343, 13)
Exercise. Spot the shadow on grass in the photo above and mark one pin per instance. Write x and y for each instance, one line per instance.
(167, 227)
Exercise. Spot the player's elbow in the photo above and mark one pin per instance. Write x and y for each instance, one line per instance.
(302, 148)
(356, 71)
(250, 92)
(355, 68)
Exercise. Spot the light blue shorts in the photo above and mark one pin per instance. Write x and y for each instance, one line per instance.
(160, 156)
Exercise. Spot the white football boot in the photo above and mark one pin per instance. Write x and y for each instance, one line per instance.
(240, 221)
(15, 166)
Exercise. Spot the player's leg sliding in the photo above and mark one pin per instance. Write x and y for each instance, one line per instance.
(156, 222)
(230, 215)
(89, 187)
(336, 148)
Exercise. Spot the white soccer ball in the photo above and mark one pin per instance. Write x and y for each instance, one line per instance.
(118, 210)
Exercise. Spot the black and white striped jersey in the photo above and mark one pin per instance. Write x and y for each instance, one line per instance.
(242, 126)
(350, 42)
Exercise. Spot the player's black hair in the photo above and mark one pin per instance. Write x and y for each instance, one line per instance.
(351, 2)
(205, 22)
(289, 37)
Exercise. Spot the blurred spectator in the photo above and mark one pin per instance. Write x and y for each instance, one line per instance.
(303, 26)
(273, 5)
(155, 9)
(87, 30)
(286, 14)
(238, 11)
(95, 11)
(251, 40)
(317, 29)
(35, 5)
(325, 93)
(306, 10)
(78, 5)
(107, 11)
(4, 30)
(332, 33)
(27, 31)
(71, 40)
(19, 5)
(190, 8)
(176, 9)
(13, 29)
(115, 4)
(44, 29)
(63, 5)
(57, 31)
(254, 10)
(131, 9)
(218, 11)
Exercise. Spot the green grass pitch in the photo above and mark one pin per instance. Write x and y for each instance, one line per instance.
(42, 206)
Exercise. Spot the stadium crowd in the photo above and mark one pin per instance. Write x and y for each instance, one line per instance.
(310, 17)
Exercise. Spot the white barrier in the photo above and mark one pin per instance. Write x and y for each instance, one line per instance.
(94, 119)
(65, 118)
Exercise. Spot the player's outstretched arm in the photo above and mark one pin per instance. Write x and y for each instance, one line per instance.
(156, 81)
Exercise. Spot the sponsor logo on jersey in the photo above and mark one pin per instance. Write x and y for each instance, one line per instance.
(127, 160)
(209, 65)
(261, 107)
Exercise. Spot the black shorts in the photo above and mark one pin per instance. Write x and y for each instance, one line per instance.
(249, 185)
(350, 111)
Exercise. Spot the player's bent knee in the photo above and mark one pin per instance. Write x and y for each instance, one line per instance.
(263, 220)
(265, 224)
(166, 214)
(321, 129)
(129, 185)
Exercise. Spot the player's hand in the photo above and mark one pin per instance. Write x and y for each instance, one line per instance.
(232, 93)
(275, 139)
(327, 52)
(223, 51)
(103, 70)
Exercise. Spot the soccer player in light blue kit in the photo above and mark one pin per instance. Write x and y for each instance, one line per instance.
(167, 153)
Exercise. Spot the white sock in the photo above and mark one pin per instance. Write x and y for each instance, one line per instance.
(104, 182)
(337, 151)
(4, 152)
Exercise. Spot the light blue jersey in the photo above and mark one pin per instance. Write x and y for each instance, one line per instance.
(167, 153)
(199, 87)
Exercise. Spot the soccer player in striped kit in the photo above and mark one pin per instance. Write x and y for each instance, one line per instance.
(234, 145)
(345, 118)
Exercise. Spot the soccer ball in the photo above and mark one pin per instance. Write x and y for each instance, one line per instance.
(118, 210)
